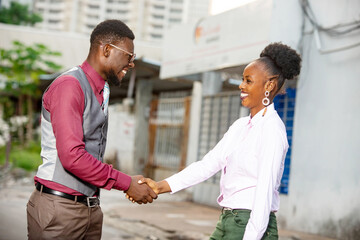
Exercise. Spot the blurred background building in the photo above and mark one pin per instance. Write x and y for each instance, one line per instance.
(184, 92)
(149, 19)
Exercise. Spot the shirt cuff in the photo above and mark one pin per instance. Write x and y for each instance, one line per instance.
(250, 235)
(121, 180)
(174, 184)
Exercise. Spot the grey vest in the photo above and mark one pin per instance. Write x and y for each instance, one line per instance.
(95, 125)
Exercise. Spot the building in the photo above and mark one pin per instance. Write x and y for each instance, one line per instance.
(321, 194)
(6, 3)
(148, 18)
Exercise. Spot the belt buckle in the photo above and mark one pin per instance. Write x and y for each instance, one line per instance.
(225, 209)
(229, 209)
(92, 201)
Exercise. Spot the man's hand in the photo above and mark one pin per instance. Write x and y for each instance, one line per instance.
(140, 193)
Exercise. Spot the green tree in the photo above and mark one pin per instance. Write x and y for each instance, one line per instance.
(21, 66)
(19, 14)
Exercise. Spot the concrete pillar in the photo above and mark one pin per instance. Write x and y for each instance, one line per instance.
(142, 107)
(195, 116)
(212, 83)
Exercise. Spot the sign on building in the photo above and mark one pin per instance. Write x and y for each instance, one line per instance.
(229, 39)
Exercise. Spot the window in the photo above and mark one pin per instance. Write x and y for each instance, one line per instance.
(158, 16)
(54, 11)
(91, 6)
(174, 20)
(285, 106)
(158, 36)
(221, 110)
(172, 10)
(218, 112)
(157, 26)
(159, 7)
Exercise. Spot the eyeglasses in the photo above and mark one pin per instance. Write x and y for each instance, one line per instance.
(131, 55)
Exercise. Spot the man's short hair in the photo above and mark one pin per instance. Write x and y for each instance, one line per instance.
(110, 31)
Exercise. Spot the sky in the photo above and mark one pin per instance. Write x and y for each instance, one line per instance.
(219, 6)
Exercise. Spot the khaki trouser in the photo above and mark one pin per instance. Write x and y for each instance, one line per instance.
(53, 217)
(232, 224)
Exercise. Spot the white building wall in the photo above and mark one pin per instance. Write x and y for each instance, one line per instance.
(120, 139)
(82, 15)
(324, 191)
(74, 47)
(196, 10)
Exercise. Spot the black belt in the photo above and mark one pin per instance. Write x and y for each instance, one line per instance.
(87, 201)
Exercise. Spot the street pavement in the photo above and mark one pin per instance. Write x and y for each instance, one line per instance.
(170, 217)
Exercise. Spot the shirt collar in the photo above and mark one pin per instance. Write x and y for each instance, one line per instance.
(269, 109)
(94, 77)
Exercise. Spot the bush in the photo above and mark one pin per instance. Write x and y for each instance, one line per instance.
(27, 157)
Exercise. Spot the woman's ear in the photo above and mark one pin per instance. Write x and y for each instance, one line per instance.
(270, 85)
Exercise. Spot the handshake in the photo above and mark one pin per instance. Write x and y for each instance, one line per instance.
(144, 190)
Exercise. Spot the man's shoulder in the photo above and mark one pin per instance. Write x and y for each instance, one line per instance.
(64, 82)
(65, 78)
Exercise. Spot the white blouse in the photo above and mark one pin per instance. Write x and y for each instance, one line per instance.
(251, 159)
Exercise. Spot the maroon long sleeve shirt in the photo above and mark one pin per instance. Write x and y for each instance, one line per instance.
(65, 102)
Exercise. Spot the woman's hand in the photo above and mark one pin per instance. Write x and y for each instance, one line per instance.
(151, 183)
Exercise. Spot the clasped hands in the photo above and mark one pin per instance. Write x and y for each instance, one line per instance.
(143, 190)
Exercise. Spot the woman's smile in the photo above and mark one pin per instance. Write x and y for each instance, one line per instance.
(243, 95)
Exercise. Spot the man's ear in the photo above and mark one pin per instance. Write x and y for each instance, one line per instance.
(106, 50)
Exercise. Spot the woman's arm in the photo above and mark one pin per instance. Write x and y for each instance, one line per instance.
(198, 171)
(157, 187)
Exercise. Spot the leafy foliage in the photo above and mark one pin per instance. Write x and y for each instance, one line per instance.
(20, 68)
(23, 65)
(19, 14)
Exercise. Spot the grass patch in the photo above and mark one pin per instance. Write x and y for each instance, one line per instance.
(26, 157)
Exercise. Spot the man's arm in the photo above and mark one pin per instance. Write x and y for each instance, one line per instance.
(65, 102)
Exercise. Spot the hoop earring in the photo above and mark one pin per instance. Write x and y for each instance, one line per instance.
(266, 100)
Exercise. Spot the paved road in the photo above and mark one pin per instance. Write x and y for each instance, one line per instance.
(122, 219)
(13, 199)
(169, 217)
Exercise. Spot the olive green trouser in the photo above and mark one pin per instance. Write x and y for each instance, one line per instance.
(232, 224)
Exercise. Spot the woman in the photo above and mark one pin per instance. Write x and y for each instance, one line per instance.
(250, 155)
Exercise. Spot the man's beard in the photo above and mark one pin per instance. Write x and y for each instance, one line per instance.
(111, 77)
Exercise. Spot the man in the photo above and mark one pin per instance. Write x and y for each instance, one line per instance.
(74, 122)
